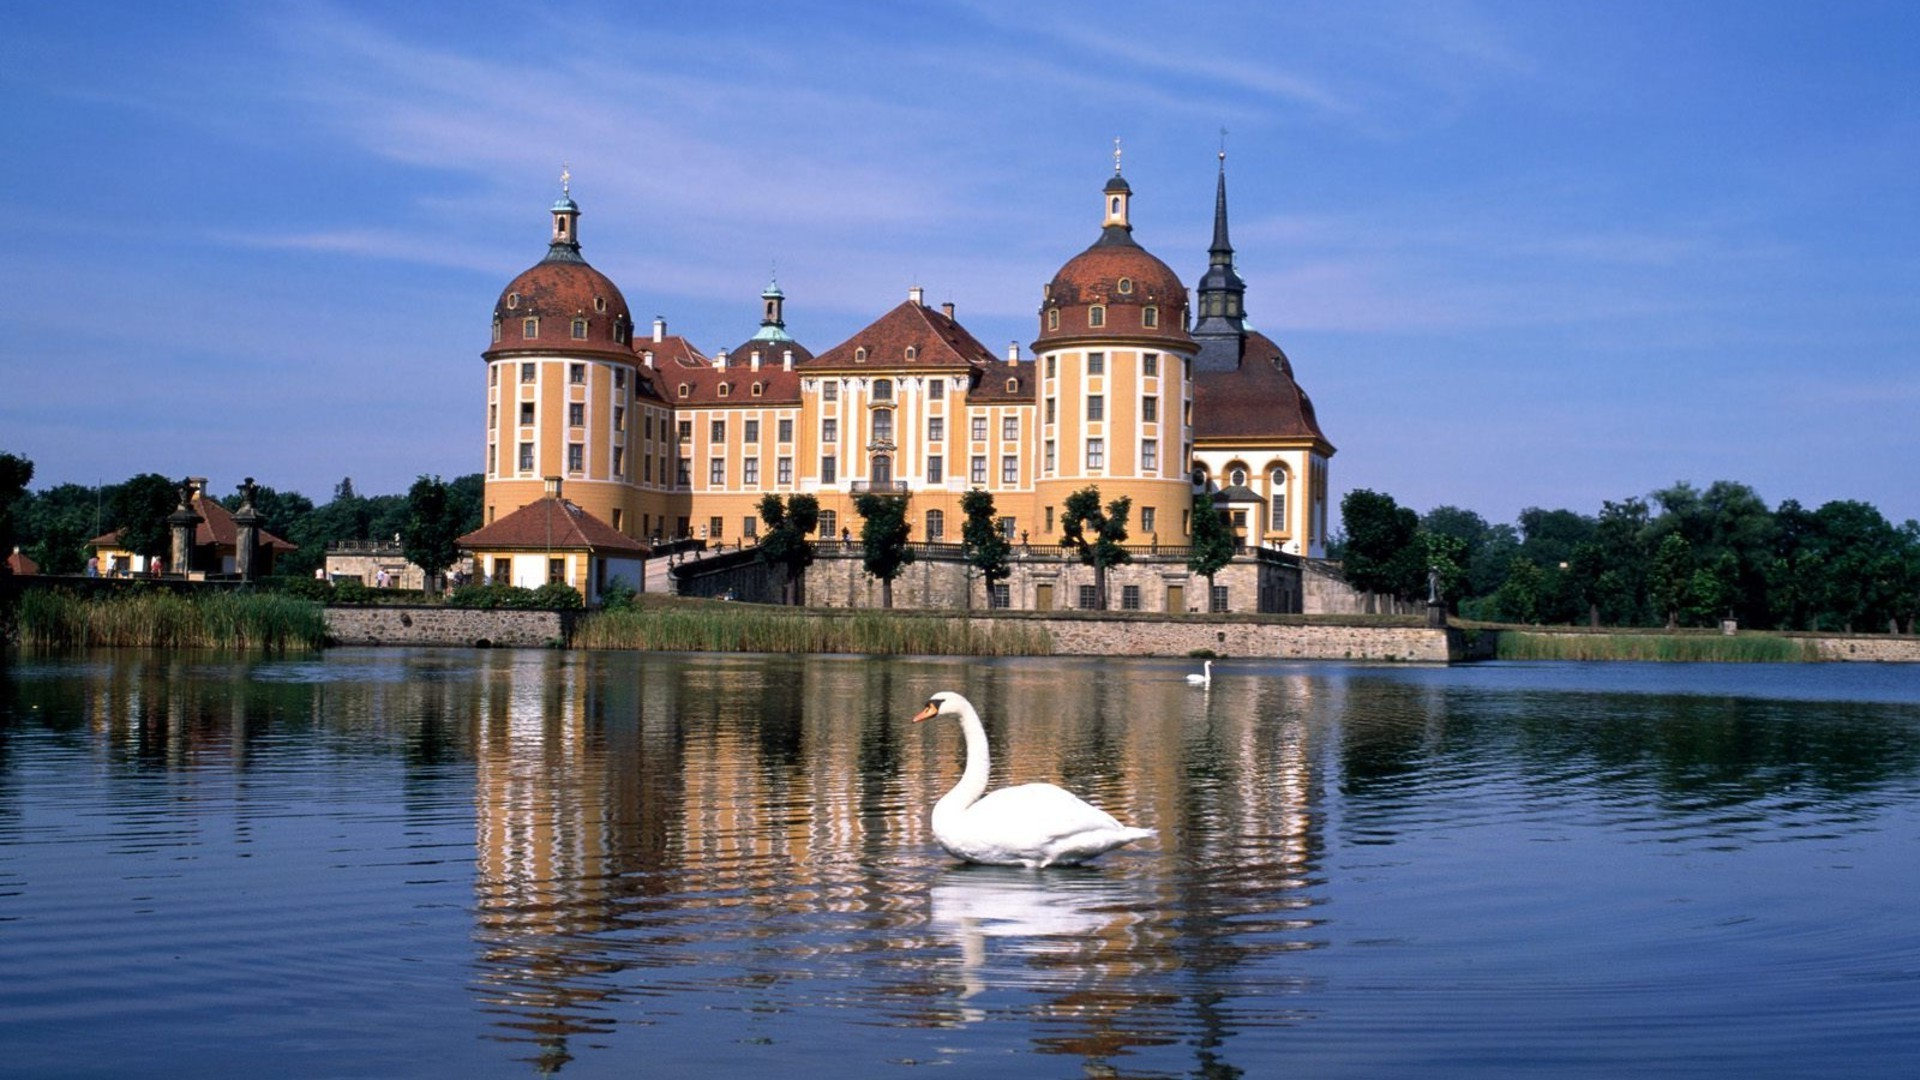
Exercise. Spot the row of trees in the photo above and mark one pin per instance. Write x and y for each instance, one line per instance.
(53, 526)
(1681, 556)
(1094, 531)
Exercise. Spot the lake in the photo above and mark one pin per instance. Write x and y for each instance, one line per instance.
(427, 863)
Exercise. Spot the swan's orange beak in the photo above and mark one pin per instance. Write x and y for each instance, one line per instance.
(932, 710)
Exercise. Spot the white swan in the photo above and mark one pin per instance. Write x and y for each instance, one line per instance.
(1031, 825)
(1203, 679)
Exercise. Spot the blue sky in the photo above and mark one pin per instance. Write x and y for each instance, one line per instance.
(1521, 254)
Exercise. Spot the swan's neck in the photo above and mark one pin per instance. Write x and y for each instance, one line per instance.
(973, 781)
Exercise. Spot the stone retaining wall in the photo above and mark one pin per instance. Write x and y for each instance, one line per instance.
(448, 626)
(1150, 637)
(1902, 650)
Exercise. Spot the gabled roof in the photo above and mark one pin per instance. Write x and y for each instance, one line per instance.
(216, 528)
(938, 343)
(552, 524)
(1257, 400)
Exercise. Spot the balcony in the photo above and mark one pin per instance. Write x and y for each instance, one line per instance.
(879, 487)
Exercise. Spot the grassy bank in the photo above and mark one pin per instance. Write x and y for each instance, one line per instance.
(1721, 648)
(751, 628)
(51, 619)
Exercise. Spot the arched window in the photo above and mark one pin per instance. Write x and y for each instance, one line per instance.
(1237, 476)
(860, 355)
(1150, 317)
(883, 389)
(1277, 501)
(913, 353)
(881, 470)
(1053, 318)
(1096, 316)
(936, 526)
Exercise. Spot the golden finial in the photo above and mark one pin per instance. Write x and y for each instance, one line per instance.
(1116, 156)
(566, 179)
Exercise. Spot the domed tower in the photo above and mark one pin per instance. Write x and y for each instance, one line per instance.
(565, 395)
(1114, 357)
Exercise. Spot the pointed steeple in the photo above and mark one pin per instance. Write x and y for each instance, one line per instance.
(1222, 296)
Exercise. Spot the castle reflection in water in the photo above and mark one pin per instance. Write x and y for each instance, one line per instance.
(653, 831)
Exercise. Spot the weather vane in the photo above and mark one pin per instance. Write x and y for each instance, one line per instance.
(1116, 156)
(1223, 144)
(566, 179)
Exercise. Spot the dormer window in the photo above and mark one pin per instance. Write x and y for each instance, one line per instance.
(756, 389)
(1125, 286)
(579, 329)
(599, 303)
(1096, 315)
(860, 355)
(530, 328)
(513, 300)
(913, 353)
(683, 389)
(723, 389)
(1013, 386)
(1149, 317)
(1053, 318)
(496, 331)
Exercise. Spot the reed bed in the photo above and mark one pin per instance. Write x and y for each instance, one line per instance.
(1679, 648)
(742, 628)
(50, 619)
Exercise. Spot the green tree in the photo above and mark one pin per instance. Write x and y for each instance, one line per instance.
(1727, 517)
(884, 530)
(1383, 553)
(1213, 543)
(1670, 577)
(430, 539)
(1097, 535)
(1518, 598)
(785, 543)
(1446, 558)
(987, 548)
(140, 508)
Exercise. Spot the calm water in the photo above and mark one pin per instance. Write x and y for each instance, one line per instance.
(441, 863)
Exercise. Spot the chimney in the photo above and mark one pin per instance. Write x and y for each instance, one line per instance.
(753, 360)
(786, 360)
(1013, 352)
(947, 309)
(918, 295)
(553, 487)
(720, 360)
(659, 329)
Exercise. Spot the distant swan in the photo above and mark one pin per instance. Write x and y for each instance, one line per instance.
(1205, 678)
(1030, 825)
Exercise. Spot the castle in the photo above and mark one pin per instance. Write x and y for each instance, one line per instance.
(1128, 388)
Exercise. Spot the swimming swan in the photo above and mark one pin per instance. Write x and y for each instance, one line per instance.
(1203, 679)
(1031, 825)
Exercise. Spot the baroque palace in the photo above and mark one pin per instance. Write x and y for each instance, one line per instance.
(1129, 388)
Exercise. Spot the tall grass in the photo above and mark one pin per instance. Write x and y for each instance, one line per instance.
(1740, 648)
(746, 628)
(51, 619)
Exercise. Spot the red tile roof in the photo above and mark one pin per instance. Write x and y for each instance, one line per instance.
(216, 528)
(551, 524)
(938, 343)
(1259, 399)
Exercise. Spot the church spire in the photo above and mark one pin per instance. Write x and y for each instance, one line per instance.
(1222, 296)
(564, 246)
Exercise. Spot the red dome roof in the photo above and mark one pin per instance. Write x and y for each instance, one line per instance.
(561, 304)
(1137, 295)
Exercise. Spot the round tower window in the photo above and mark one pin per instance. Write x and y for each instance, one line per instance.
(1126, 286)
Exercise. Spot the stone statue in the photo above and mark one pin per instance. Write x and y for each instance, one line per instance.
(247, 492)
